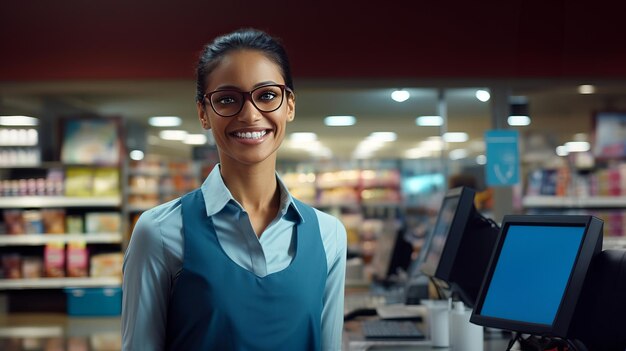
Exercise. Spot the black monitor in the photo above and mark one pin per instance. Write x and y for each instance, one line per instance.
(460, 246)
(536, 274)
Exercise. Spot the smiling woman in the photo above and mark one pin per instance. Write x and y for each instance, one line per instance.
(238, 264)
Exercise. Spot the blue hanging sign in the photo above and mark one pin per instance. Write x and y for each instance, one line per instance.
(503, 161)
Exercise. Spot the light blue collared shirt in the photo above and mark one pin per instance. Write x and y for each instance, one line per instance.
(154, 260)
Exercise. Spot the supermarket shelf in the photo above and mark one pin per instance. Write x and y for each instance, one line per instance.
(574, 202)
(144, 191)
(58, 201)
(57, 283)
(42, 239)
(160, 172)
(31, 332)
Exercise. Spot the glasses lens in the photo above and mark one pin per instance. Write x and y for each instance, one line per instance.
(268, 98)
(227, 102)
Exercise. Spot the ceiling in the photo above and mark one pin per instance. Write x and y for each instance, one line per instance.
(136, 59)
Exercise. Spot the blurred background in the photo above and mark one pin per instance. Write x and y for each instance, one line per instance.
(393, 103)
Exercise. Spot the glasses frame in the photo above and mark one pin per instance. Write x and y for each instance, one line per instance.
(247, 95)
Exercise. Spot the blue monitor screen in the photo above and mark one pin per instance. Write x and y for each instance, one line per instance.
(532, 272)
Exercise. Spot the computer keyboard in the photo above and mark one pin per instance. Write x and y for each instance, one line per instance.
(384, 329)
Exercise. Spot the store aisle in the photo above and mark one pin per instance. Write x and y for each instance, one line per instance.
(58, 332)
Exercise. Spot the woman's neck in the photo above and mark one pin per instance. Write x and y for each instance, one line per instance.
(254, 187)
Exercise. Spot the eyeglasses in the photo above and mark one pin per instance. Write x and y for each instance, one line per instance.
(229, 102)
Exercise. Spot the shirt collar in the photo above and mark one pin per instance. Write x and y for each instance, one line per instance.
(217, 196)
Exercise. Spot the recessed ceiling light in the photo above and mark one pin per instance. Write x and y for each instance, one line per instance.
(136, 155)
(195, 139)
(18, 121)
(457, 154)
(586, 89)
(483, 95)
(400, 95)
(455, 137)
(561, 150)
(173, 134)
(518, 120)
(165, 121)
(339, 121)
(417, 153)
(303, 137)
(481, 159)
(383, 136)
(577, 146)
(429, 121)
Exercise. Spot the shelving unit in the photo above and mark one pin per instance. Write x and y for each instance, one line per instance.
(51, 232)
(58, 201)
(43, 239)
(59, 283)
(154, 181)
(538, 201)
(599, 191)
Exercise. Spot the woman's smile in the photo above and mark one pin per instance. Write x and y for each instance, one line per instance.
(251, 136)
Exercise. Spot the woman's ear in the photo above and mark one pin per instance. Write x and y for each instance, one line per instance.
(203, 116)
(291, 107)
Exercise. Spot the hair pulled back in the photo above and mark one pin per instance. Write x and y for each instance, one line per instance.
(242, 39)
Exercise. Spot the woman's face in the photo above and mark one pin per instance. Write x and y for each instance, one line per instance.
(250, 136)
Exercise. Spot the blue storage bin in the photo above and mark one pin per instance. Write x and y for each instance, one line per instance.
(94, 301)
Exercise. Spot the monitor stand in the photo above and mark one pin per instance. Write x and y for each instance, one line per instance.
(537, 343)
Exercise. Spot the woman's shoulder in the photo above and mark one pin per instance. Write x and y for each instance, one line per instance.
(330, 224)
(164, 210)
(153, 218)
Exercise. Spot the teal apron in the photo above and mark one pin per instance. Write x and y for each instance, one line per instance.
(218, 305)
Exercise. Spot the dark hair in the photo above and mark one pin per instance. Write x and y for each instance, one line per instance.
(251, 39)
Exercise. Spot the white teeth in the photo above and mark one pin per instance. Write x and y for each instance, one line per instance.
(251, 135)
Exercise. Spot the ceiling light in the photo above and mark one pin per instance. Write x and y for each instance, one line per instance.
(165, 121)
(432, 144)
(481, 159)
(457, 154)
(303, 137)
(400, 95)
(173, 134)
(518, 120)
(455, 137)
(429, 121)
(416, 153)
(577, 146)
(586, 89)
(136, 155)
(383, 136)
(18, 121)
(483, 95)
(339, 121)
(195, 139)
(561, 150)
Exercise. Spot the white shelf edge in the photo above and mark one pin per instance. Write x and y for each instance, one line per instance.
(160, 173)
(42, 239)
(31, 332)
(144, 191)
(56, 283)
(573, 202)
(58, 201)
